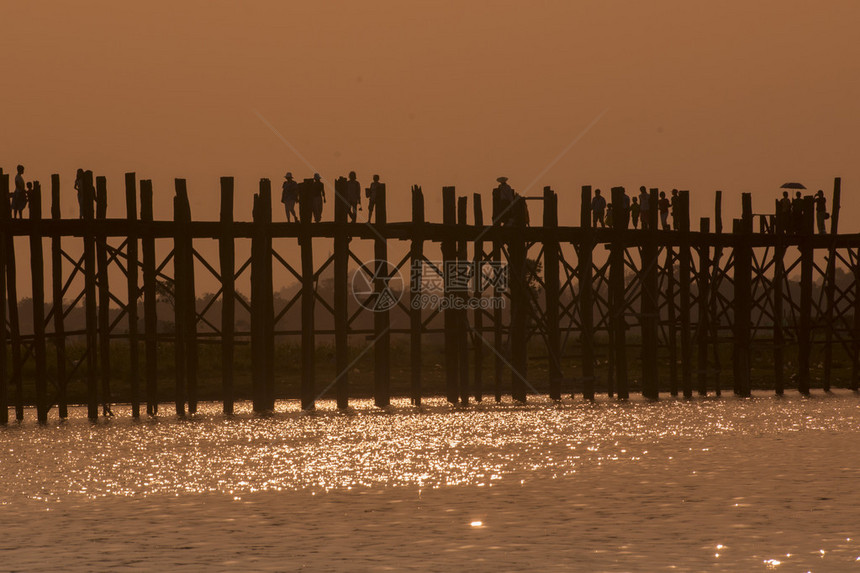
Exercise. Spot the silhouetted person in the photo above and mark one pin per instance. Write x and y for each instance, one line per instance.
(598, 210)
(625, 202)
(821, 211)
(797, 213)
(784, 213)
(290, 196)
(663, 206)
(506, 200)
(372, 193)
(676, 206)
(635, 209)
(19, 195)
(79, 187)
(610, 216)
(318, 197)
(644, 206)
(353, 196)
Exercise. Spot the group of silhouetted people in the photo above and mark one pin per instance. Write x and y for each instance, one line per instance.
(314, 193)
(790, 211)
(639, 209)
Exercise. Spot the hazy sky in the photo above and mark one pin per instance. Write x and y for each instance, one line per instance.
(738, 96)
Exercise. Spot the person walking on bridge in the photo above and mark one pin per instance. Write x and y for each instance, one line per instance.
(821, 214)
(598, 210)
(289, 197)
(372, 193)
(318, 196)
(353, 196)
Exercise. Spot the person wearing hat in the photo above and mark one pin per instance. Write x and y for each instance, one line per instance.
(289, 196)
(506, 199)
(821, 214)
(353, 196)
(318, 197)
(372, 193)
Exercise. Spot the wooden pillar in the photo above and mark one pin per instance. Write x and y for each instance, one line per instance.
(37, 270)
(57, 298)
(381, 318)
(104, 296)
(308, 392)
(586, 295)
(150, 298)
(778, 298)
(855, 367)
(743, 298)
(519, 303)
(462, 314)
(90, 305)
(449, 258)
(262, 301)
(804, 338)
(649, 305)
(133, 291)
(703, 285)
(180, 285)
(415, 314)
(498, 315)
(714, 322)
(616, 292)
(227, 259)
(684, 292)
(341, 295)
(672, 320)
(5, 240)
(830, 284)
(478, 313)
(552, 291)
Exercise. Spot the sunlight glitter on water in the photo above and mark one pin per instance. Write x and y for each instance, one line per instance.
(432, 447)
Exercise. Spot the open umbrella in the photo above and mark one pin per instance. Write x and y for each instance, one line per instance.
(792, 186)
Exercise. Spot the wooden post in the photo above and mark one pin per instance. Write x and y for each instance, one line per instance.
(649, 305)
(5, 240)
(586, 295)
(714, 321)
(778, 297)
(133, 291)
(672, 320)
(37, 269)
(306, 196)
(855, 368)
(519, 303)
(551, 292)
(181, 280)
(104, 296)
(57, 297)
(90, 270)
(616, 292)
(150, 299)
(381, 318)
(804, 338)
(830, 285)
(703, 328)
(415, 314)
(498, 315)
(462, 295)
(449, 257)
(743, 298)
(341, 296)
(684, 288)
(262, 301)
(227, 258)
(478, 315)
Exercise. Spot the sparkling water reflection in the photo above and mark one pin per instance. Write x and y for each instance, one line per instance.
(766, 482)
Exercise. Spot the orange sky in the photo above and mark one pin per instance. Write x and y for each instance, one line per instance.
(739, 96)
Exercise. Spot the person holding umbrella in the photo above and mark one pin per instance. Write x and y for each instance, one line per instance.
(793, 215)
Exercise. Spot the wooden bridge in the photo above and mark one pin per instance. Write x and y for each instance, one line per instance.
(597, 304)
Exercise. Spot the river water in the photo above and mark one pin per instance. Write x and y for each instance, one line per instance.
(721, 483)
